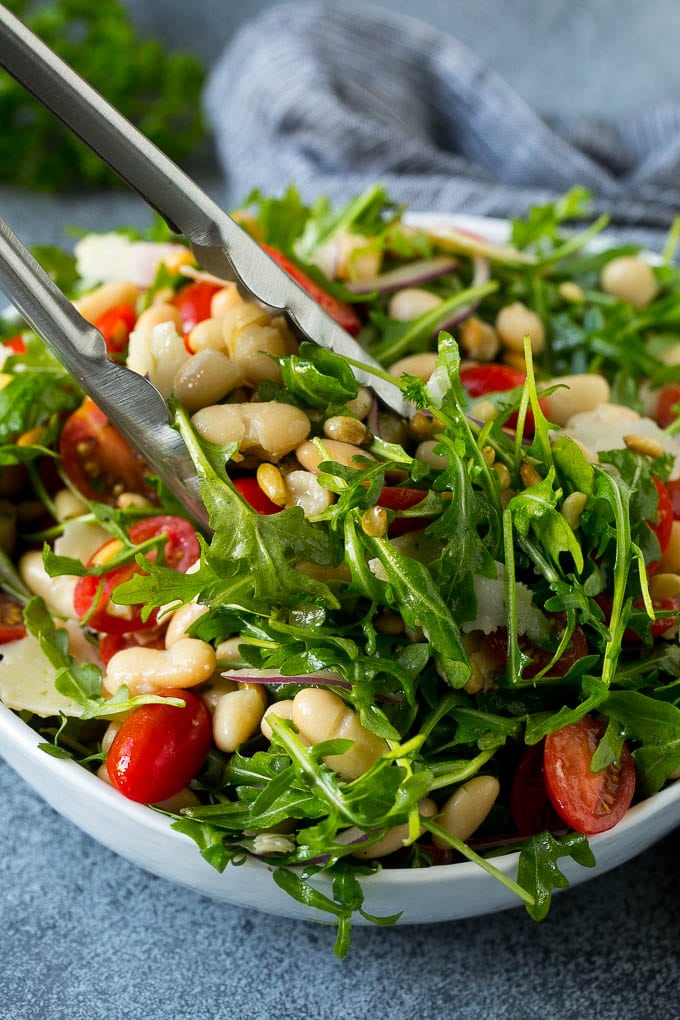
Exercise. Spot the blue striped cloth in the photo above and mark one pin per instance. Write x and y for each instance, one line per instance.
(334, 98)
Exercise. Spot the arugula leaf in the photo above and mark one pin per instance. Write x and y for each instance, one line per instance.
(318, 376)
(538, 871)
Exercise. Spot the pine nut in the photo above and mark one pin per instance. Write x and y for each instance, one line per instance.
(644, 445)
(396, 837)
(466, 809)
(529, 475)
(361, 404)
(119, 292)
(420, 425)
(573, 507)
(237, 717)
(489, 454)
(374, 521)
(629, 279)
(388, 623)
(504, 476)
(479, 340)
(321, 715)
(270, 480)
(345, 429)
(516, 321)
(570, 291)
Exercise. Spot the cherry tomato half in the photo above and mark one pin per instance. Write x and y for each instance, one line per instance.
(397, 497)
(587, 801)
(530, 805)
(92, 595)
(255, 497)
(664, 522)
(109, 644)
(160, 748)
(17, 344)
(11, 620)
(479, 380)
(97, 459)
(672, 487)
(343, 313)
(116, 326)
(540, 657)
(193, 303)
(669, 397)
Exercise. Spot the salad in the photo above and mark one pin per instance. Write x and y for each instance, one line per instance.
(406, 642)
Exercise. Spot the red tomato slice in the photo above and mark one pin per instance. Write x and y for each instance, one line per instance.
(576, 650)
(673, 489)
(530, 805)
(193, 302)
(479, 380)
(669, 397)
(180, 551)
(116, 326)
(253, 495)
(16, 344)
(343, 313)
(97, 459)
(109, 644)
(11, 620)
(160, 748)
(587, 801)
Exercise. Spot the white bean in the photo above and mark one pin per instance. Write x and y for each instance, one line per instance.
(516, 321)
(156, 315)
(146, 670)
(281, 709)
(269, 430)
(411, 303)
(396, 837)
(181, 620)
(254, 351)
(102, 299)
(321, 715)
(56, 591)
(224, 300)
(420, 365)
(68, 505)
(205, 379)
(577, 393)
(303, 489)
(629, 279)
(466, 809)
(344, 453)
(207, 335)
(425, 452)
(237, 716)
(218, 687)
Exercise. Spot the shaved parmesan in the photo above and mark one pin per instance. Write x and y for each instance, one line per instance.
(27, 680)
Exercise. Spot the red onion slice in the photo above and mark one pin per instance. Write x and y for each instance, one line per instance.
(409, 275)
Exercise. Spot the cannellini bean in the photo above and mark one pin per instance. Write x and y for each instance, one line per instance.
(186, 663)
(254, 351)
(56, 591)
(396, 837)
(577, 393)
(664, 586)
(466, 809)
(281, 709)
(132, 499)
(344, 453)
(269, 430)
(218, 687)
(411, 303)
(156, 315)
(238, 318)
(629, 279)
(425, 452)
(281, 323)
(228, 650)
(479, 340)
(185, 798)
(158, 355)
(110, 735)
(303, 489)
(356, 259)
(361, 404)
(420, 365)
(237, 716)
(516, 321)
(205, 379)
(207, 335)
(181, 620)
(345, 429)
(322, 715)
(224, 300)
(670, 561)
(68, 505)
(100, 300)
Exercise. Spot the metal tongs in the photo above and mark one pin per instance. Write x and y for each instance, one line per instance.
(219, 245)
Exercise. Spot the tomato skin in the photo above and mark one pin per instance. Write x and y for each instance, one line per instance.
(115, 325)
(109, 644)
(478, 380)
(397, 497)
(97, 459)
(672, 487)
(589, 802)
(663, 526)
(160, 748)
(530, 805)
(193, 302)
(16, 344)
(12, 625)
(577, 649)
(180, 551)
(255, 497)
(343, 313)
(669, 396)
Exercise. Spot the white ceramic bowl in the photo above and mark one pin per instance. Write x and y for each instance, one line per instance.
(440, 893)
